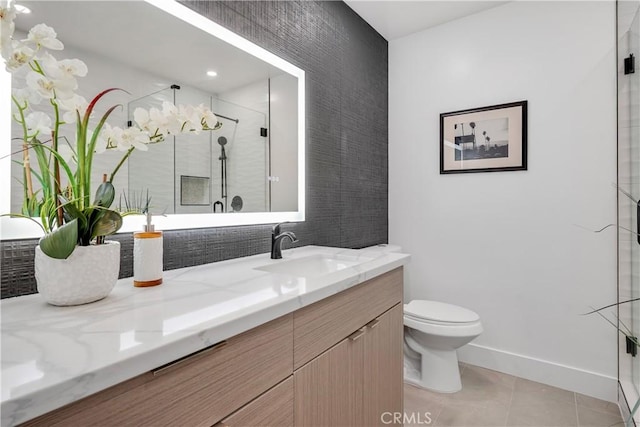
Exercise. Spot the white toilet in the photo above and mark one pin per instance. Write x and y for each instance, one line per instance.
(432, 333)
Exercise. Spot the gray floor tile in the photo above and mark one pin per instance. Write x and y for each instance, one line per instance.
(589, 417)
(490, 414)
(542, 413)
(597, 404)
(421, 405)
(482, 386)
(527, 391)
(493, 399)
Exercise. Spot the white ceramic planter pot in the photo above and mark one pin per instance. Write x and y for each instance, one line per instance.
(88, 275)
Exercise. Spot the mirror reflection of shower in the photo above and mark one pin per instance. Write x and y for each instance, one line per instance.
(203, 173)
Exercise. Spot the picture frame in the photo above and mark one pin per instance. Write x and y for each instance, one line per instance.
(486, 139)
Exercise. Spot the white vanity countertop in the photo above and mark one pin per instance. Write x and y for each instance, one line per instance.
(52, 356)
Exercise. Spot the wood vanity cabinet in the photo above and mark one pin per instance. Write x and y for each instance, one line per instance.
(273, 408)
(335, 362)
(357, 380)
(348, 355)
(197, 390)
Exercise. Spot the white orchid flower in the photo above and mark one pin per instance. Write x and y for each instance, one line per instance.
(26, 95)
(132, 137)
(47, 61)
(71, 105)
(65, 68)
(135, 137)
(190, 119)
(7, 12)
(49, 88)
(73, 67)
(67, 153)
(158, 123)
(44, 36)
(208, 120)
(7, 26)
(20, 54)
(106, 139)
(172, 118)
(143, 120)
(38, 123)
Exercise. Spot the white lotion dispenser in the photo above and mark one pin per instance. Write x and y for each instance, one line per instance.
(147, 256)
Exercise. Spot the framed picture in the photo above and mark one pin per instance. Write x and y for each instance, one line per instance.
(487, 139)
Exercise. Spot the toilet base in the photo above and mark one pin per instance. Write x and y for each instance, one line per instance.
(438, 371)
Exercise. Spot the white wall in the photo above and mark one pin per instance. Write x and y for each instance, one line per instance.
(506, 244)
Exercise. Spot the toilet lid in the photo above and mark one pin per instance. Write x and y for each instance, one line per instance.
(440, 312)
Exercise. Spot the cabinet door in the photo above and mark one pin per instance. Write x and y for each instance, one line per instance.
(320, 326)
(383, 366)
(329, 389)
(274, 408)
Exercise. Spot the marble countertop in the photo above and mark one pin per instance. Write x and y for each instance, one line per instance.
(52, 356)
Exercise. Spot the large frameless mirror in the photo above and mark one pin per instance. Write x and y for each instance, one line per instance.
(248, 170)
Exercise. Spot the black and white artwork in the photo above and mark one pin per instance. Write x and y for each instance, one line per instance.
(486, 139)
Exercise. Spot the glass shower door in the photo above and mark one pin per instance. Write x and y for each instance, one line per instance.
(629, 185)
(152, 171)
(633, 181)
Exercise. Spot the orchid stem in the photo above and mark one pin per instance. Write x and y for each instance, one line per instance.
(124, 158)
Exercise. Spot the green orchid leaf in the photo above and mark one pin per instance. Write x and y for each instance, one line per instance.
(61, 242)
(94, 214)
(105, 195)
(48, 214)
(94, 140)
(72, 211)
(44, 166)
(109, 223)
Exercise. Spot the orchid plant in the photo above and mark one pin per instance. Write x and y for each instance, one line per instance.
(62, 199)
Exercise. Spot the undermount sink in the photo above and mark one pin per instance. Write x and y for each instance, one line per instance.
(312, 266)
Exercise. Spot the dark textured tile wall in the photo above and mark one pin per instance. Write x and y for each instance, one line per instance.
(345, 62)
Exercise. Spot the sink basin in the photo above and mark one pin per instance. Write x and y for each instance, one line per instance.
(312, 266)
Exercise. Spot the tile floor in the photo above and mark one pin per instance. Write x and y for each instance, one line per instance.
(490, 399)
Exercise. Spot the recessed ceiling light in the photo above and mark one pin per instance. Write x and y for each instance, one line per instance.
(22, 9)
(211, 73)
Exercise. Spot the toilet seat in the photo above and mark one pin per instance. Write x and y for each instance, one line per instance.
(442, 328)
(441, 319)
(439, 313)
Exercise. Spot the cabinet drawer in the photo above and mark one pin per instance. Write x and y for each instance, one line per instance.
(321, 325)
(198, 390)
(274, 408)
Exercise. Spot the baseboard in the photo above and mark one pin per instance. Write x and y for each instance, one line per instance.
(543, 371)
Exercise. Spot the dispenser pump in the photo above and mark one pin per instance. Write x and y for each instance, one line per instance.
(148, 226)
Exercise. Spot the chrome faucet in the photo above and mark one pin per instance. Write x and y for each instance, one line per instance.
(276, 240)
